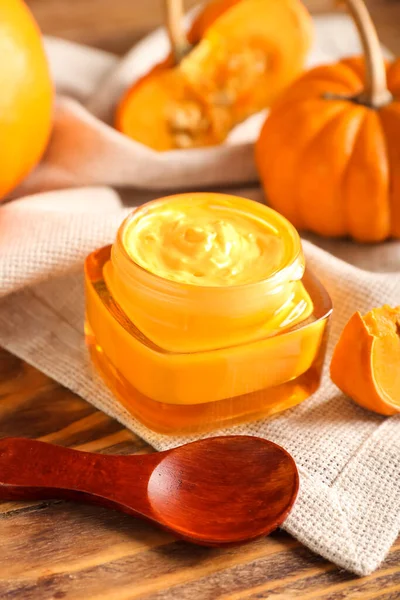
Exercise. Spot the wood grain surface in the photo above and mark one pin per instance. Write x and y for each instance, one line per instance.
(57, 550)
(53, 550)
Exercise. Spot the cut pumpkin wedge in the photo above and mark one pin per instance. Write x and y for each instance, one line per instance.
(245, 52)
(366, 361)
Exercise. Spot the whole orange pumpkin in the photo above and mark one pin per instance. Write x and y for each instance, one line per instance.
(329, 152)
(26, 94)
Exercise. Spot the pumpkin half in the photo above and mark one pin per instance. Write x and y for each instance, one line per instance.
(365, 363)
(244, 53)
(26, 94)
(329, 152)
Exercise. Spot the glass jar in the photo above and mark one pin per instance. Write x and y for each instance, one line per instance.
(188, 358)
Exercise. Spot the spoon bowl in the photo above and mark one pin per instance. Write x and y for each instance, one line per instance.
(216, 491)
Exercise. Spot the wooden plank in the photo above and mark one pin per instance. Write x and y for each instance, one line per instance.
(116, 25)
(113, 26)
(55, 550)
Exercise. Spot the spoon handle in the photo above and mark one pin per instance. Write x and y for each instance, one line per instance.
(30, 469)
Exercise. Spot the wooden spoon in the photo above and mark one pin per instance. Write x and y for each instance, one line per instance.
(216, 491)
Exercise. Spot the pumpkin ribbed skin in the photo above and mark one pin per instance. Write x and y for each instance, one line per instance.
(332, 166)
(26, 94)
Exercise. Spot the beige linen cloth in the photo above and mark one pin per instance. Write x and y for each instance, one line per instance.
(348, 458)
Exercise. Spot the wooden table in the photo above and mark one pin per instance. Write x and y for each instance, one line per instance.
(54, 550)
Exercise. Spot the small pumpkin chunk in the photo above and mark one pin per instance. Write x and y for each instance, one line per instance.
(366, 361)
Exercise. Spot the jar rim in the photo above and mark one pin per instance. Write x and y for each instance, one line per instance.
(295, 264)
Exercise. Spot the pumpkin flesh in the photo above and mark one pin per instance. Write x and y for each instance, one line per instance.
(239, 65)
(365, 362)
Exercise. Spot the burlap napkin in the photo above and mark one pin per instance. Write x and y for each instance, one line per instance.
(349, 459)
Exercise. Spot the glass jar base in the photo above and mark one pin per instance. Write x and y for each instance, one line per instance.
(174, 393)
(173, 419)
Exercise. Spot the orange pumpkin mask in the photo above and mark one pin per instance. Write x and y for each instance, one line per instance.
(329, 152)
(244, 53)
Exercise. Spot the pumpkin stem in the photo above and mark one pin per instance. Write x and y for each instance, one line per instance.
(174, 23)
(375, 92)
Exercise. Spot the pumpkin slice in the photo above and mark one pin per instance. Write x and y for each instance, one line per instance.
(165, 113)
(366, 361)
(245, 53)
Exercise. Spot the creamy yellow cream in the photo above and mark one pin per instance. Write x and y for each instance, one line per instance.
(204, 242)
